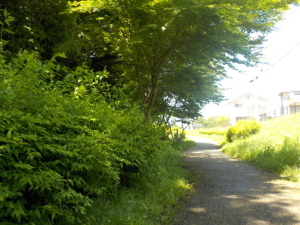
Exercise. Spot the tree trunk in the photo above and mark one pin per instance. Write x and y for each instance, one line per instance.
(150, 101)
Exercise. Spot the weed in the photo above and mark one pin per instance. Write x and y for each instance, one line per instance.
(153, 201)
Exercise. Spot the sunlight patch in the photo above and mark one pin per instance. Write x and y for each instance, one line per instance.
(198, 210)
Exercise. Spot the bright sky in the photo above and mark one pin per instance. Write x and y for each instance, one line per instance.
(282, 73)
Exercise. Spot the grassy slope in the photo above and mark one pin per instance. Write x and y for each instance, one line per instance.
(275, 148)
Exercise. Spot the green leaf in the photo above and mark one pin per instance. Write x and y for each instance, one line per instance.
(4, 42)
(9, 134)
(5, 13)
(24, 166)
(9, 31)
(8, 20)
(38, 70)
(68, 76)
(62, 55)
(53, 215)
(25, 180)
(38, 214)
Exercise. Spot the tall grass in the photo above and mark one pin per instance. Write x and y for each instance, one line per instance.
(279, 157)
(154, 200)
(276, 148)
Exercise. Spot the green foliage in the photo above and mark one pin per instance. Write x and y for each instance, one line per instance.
(7, 19)
(282, 158)
(242, 130)
(212, 131)
(213, 122)
(63, 142)
(216, 135)
(38, 27)
(176, 133)
(51, 153)
(170, 54)
(275, 148)
(177, 49)
(68, 138)
(154, 200)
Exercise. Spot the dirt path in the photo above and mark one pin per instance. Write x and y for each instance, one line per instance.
(228, 191)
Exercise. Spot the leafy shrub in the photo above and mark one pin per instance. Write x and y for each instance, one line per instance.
(53, 160)
(177, 133)
(64, 140)
(242, 129)
(137, 145)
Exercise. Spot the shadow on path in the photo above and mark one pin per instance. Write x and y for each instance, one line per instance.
(228, 191)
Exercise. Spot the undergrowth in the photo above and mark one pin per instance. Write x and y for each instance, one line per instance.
(70, 143)
(153, 200)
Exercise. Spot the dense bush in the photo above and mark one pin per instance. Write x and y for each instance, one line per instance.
(242, 129)
(64, 140)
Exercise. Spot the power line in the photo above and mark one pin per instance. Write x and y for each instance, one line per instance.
(294, 11)
(276, 61)
(289, 16)
(288, 21)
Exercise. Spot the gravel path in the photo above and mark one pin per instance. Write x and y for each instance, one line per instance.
(228, 191)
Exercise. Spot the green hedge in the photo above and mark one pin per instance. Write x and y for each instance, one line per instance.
(65, 138)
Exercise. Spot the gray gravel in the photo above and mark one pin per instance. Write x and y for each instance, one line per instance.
(228, 191)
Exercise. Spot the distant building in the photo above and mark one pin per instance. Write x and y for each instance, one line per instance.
(247, 106)
(290, 102)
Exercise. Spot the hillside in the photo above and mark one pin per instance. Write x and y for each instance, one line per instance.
(275, 148)
(281, 127)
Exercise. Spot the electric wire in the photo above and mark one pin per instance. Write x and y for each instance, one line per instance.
(290, 16)
(277, 61)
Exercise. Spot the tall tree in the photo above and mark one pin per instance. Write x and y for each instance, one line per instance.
(38, 26)
(154, 35)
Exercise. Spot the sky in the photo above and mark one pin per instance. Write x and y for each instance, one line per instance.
(281, 71)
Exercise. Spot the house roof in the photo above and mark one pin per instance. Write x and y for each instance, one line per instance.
(247, 94)
(288, 92)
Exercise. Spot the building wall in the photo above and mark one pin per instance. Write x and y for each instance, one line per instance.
(294, 109)
(290, 102)
(244, 108)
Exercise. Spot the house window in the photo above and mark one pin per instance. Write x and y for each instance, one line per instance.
(238, 105)
(297, 93)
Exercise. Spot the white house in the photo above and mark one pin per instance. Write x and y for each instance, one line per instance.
(290, 102)
(247, 106)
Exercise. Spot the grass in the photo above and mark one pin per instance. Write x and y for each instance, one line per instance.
(154, 201)
(218, 138)
(276, 148)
